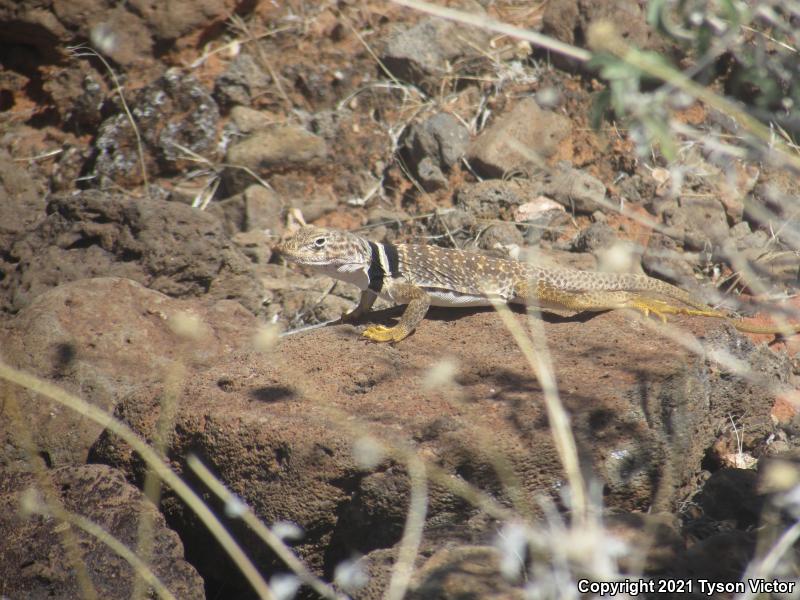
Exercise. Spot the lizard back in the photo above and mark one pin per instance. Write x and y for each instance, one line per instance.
(457, 277)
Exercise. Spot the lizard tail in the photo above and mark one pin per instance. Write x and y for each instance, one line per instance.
(687, 298)
(790, 329)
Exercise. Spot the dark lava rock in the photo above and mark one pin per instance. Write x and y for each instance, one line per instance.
(36, 563)
(167, 246)
(175, 111)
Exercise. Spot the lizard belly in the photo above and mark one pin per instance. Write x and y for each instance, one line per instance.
(451, 298)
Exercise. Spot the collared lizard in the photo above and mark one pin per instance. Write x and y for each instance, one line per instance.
(421, 276)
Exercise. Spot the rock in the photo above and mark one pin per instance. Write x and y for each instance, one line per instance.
(542, 218)
(66, 334)
(248, 120)
(595, 237)
(548, 226)
(532, 210)
(379, 215)
(732, 494)
(636, 188)
(430, 175)
(282, 146)
(430, 148)
(569, 20)
(175, 111)
(734, 187)
(78, 95)
(576, 189)
(230, 212)
(775, 191)
(304, 192)
(314, 207)
(279, 428)
(465, 573)
(167, 246)
(256, 209)
(241, 82)
(500, 199)
(35, 562)
(502, 239)
(255, 245)
(22, 203)
(378, 566)
(282, 149)
(422, 54)
(296, 300)
(655, 544)
(663, 259)
(700, 223)
(359, 153)
(614, 255)
(723, 556)
(495, 199)
(68, 168)
(127, 34)
(263, 210)
(519, 140)
(456, 223)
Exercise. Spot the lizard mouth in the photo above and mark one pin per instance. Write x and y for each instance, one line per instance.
(318, 262)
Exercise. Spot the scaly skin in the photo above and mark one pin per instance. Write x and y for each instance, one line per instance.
(423, 276)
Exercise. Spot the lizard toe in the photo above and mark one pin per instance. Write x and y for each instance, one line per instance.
(379, 333)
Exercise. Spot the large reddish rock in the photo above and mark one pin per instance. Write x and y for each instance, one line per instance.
(280, 428)
(101, 339)
(130, 31)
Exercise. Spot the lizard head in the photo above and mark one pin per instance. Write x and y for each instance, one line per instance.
(326, 248)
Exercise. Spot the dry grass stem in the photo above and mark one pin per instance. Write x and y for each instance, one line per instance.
(412, 532)
(167, 475)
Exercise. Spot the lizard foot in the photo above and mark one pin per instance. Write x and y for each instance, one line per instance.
(379, 333)
(661, 309)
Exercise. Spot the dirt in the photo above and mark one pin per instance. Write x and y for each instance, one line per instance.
(251, 116)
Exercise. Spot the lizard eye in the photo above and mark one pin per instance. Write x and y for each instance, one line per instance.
(320, 242)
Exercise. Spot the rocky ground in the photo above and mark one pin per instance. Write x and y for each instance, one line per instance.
(361, 115)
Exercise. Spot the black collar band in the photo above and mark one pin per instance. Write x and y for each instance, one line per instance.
(375, 273)
(393, 261)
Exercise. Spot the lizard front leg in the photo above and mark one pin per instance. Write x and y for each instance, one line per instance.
(365, 302)
(418, 304)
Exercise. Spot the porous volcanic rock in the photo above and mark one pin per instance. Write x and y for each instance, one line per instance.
(166, 246)
(36, 564)
(280, 428)
(101, 339)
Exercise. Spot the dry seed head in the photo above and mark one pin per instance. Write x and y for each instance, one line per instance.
(368, 452)
(266, 337)
(441, 374)
(188, 326)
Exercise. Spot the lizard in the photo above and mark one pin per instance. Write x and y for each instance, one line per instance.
(421, 276)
